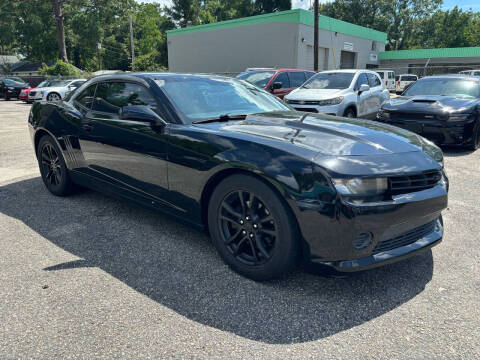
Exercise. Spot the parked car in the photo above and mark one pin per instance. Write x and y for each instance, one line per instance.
(470, 72)
(388, 78)
(279, 82)
(403, 81)
(25, 92)
(349, 93)
(56, 90)
(272, 185)
(444, 109)
(10, 87)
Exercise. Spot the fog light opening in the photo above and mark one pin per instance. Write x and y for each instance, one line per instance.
(363, 241)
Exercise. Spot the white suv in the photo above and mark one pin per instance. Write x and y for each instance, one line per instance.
(404, 80)
(56, 90)
(349, 93)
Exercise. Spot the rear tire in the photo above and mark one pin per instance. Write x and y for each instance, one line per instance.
(252, 229)
(53, 169)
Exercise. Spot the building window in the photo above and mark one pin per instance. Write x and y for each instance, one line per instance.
(374, 46)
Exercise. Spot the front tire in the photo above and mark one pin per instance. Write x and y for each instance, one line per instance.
(53, 168)
(252, 228)
(349, 113)
(53, 97)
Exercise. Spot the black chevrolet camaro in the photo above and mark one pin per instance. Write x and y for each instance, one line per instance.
(272, 186)
(443, 108)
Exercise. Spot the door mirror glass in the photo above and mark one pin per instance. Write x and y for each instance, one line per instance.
(363, 87)
(276, 85)
(141, 113)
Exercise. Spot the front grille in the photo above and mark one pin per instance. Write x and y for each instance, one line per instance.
(405, 239)
(397, 115)
(412, 183)
(303, 102)
(32, 93)
(312, 110)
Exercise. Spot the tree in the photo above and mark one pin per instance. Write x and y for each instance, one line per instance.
(400, 19)
(62, 49)
(269, 6)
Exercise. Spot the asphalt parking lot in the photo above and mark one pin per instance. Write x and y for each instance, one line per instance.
(92, 277)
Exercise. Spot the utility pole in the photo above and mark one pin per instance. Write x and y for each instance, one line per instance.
(315, 36)
(131, 39)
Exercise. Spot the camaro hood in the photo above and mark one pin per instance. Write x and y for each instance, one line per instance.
(328, 135)
(314, 94)
(430, 104)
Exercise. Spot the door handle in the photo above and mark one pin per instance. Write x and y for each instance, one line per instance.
(88, 127)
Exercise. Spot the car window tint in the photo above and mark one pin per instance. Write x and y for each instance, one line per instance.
(308, 75)
(382, 74)
(445, 87)
(85, 99)
(283, 78)
(476, 73)
(77, 83)
(362, 79)
(110, 97)
(391, 75)
(297, 78)
(409, 78)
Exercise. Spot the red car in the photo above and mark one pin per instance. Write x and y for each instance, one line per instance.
(24, 94)
(277, 81)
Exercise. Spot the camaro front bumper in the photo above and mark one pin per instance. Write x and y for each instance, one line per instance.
(396, 229)
(440, 132)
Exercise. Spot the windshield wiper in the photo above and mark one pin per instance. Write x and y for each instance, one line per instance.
(222, 118)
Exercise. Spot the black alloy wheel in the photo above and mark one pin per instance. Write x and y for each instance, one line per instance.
(252, 228)
(52, 167)
(247, 227)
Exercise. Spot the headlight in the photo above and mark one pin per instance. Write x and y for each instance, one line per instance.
(458, 117)
(334, 101)
(384, 114)
(361, 186)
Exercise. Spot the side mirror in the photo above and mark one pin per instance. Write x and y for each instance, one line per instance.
(276, 86)
(363, 87)
(141, 113)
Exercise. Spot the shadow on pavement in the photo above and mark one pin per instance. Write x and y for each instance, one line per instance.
(179, 268)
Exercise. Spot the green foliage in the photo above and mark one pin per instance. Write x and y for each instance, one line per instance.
(149, 62)
(60, 68)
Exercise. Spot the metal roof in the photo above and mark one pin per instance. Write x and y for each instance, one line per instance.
(430, 53)
(299, 16)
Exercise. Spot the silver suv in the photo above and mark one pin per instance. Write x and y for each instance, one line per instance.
(349, 93)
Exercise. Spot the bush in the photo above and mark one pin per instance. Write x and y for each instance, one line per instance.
(60, 68)
(148, 62)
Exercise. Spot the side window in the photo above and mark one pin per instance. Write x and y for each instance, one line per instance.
(362, 79)
(297, 78)
(77, 83)
(382, 74)
(373, 80)
(283, 78)
(308, 75)
(391, 75)
(110, 97)
(85, 99)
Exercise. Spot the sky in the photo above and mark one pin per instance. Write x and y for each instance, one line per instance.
(447, 4)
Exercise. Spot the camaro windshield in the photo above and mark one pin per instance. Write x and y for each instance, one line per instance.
(445, 87)
(329, 81)
(259, 78)
(203, 98)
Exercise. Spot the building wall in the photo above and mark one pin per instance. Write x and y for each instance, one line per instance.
(234, 49)
(331, 45)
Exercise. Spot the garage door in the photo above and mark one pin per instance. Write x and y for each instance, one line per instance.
(347, 60)
(322, 55)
